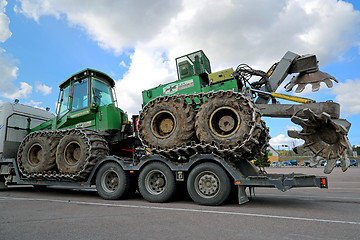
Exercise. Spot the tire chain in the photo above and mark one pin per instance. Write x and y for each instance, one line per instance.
(95, 143)
(257, 142)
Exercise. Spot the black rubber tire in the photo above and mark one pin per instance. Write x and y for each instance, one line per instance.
(157, 183)
(183, 128)
(38, 155)
(112, 182)
(216, 176)
(40, 188)
(215, 109)
(71, 153)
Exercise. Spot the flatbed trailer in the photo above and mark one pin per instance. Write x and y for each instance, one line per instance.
(241, 175)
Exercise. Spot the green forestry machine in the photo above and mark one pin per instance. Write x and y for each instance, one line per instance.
(221, 112)
(204, 128)
(88, 125)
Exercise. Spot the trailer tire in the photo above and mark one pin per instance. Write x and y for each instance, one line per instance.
(112, 182)
(167, 124)
(38, 155)
(71, 153)
(208, 184)
(157, 183)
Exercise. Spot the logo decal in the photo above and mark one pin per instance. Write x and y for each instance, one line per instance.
(84, 124)
(174, 87)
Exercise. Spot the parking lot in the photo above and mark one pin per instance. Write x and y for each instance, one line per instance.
(304, 213)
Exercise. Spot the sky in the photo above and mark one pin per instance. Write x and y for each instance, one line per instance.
(44, 42)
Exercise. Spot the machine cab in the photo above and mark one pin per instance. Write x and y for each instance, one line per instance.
(87, 99)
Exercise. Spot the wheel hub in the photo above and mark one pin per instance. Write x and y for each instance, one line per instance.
(72, 153)
(35, 154)
(155, 182)
(224, 121)
(208, 184)
(163, 124)
(110, 181)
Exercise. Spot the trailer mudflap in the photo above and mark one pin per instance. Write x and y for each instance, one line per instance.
(283, 182)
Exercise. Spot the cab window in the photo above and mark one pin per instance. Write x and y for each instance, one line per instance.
(102, 93)
(64, 102)
(80, 97)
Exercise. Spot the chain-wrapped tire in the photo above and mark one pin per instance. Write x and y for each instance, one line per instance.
(78, 152)
(166, 124)
(37, 154)
(230, 121)
(71, 153)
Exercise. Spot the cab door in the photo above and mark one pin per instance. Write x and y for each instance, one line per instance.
(75, 108)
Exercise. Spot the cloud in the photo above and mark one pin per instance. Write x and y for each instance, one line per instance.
(281, 139)
(23, 92)
(8, 74)
(115, 25)
(46, 90)
(256, 32)
(34, 104)
(8, 70)
(123, 64)
(347, 95)
(148, 69)
(5, 32)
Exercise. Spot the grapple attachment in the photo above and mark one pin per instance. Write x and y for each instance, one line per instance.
(314, 78)
(325, 137)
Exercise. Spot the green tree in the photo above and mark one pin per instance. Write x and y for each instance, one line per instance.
(262, 161)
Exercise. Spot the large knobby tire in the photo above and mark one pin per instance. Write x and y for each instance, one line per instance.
(167, 124)
(208, 184)
(227, 122)
(157, 183)
(71, 154)
(112, 182)
(38, 154)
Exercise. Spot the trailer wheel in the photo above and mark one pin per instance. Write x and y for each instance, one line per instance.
(71, 153)
(112, 182)
(157, 183)
(208, 184)
(167, 124)
(38, 155)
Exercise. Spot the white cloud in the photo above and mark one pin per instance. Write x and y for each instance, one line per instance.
(5, 32)
(34, 104)
(8, 70)
(46, 90)
(281, 139)
(23, 92)
(347, 95)
(8, 74)
(148, 69)
(256, 32)
(123, 64)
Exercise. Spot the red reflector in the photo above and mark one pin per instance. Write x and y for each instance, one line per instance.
(323, 181)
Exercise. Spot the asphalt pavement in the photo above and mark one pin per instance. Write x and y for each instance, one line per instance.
(303, 213)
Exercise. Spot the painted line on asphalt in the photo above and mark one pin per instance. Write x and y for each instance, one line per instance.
(307, 196)
(183, 210)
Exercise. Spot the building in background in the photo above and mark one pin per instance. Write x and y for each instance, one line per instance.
(273, 154)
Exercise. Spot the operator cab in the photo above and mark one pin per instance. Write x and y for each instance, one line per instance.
(193, 64)
(88, 88)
